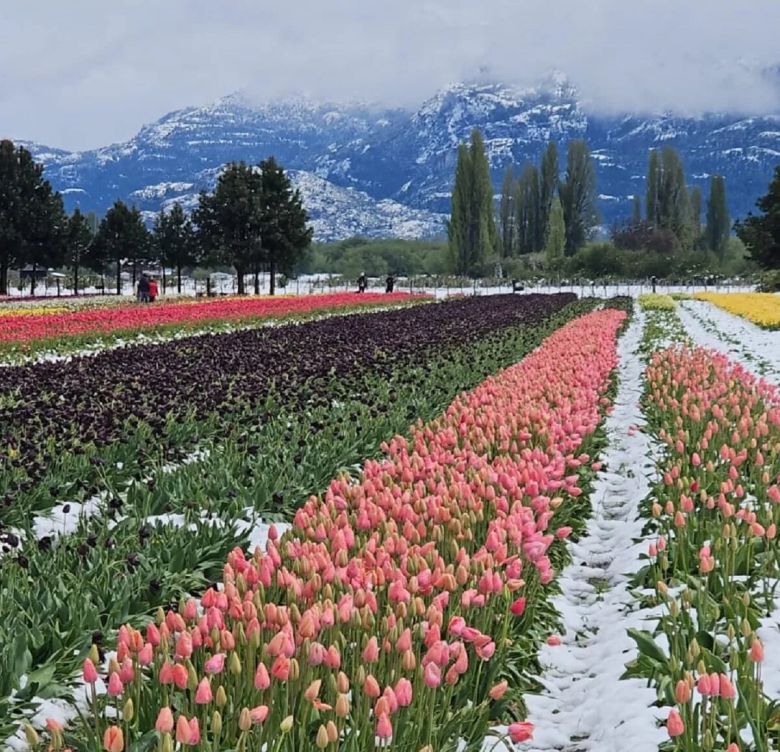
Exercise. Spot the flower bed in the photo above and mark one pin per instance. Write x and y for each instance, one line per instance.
(169, 530)
(390, 609)
(34, 330)
(762, 308)
(651, 301)
(713, 559)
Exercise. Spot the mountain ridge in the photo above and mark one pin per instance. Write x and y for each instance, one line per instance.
(369, 170)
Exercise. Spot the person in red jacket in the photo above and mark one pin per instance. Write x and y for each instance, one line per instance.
(152, 290)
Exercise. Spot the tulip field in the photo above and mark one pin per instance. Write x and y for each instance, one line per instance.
(500, 523)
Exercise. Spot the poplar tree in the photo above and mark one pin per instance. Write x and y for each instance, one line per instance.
(548, 183)
(651, 200)
(695, 202)
(718, 227)
(506, 219)
(636, 213)
(78, 239)
(530, 233)
(174, 239)
(555, 241)
(578, 196)
(472, 228)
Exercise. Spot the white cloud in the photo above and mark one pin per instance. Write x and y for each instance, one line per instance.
(85, 73)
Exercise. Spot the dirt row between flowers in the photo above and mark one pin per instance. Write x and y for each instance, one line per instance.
(419, 585)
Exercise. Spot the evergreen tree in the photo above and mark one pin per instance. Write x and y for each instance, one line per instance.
(718, 229)
(548, 183)
(175, 241)
(761, 234)
(78, 239)
(472, 229)
(555, 242)
(506, 219)
(229, 221)
(284, 232)
(122, 237)
(636, 214)
(32, 218)
(530, 235)
(578, 196)
(695, 203)
(651, 200)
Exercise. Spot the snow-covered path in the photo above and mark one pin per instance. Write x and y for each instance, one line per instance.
(585, 705)
(756, 349)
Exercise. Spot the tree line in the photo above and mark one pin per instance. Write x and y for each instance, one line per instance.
(253, 220)
(540, 212)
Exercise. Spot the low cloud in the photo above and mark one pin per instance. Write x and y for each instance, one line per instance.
(87, 73)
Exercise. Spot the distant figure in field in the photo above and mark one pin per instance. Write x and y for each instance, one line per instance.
(152, 289)
(389, 283)
(362, 283)
(143, 289)
(653, 282)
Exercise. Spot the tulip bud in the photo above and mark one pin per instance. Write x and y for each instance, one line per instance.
(286, 725)
(322, 738)
(216, 723)
(94, 654)
(342, 683)
(234, 665)
(167, 743)
(342, 706)
(192, 677)
(31, 735)
(128, 711)
(221, 697)
(245, 720)
(747, 630)
(295, 669)
(333, 732)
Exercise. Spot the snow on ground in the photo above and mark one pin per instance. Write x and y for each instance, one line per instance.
(756, 349)
(585, 706)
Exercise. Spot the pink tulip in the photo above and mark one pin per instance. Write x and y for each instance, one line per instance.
(384, 729)
(164, 723)
(432, 675)
(403, 692)
(259, 714)
(499, 690)
(215, 664)
(113, 739)
(521, 731)
(674, 724)
(262, 679)
(115, 686)
(553, 640)
(371, 651)
(518, 607)
(203, 695)
(89, 672)
(756, 651)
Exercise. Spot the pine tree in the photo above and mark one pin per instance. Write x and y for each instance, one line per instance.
(555, 242)
(121, 237)
(284, 232)
(78, 238)
(695, 203)
(32, 218)
(578, 196)
(636, 214)
(718, 228)
(506, 212)
(548, 183)
(761, 234)
(472, 229)
(229, 220)
(175, 241)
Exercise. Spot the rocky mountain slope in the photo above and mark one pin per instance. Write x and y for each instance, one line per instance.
(377, 172)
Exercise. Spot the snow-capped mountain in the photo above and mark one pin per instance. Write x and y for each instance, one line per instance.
(372, 171)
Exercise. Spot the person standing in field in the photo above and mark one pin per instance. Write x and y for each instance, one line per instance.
(362, 283)
(152, 289)
(143, 289)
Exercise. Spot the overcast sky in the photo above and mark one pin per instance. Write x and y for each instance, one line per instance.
(86, 73)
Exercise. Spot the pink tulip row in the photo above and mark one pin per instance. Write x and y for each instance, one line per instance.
(717, 510)
(388, 614)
